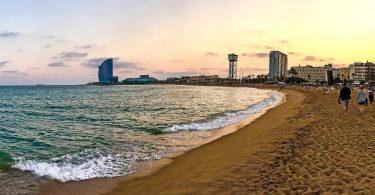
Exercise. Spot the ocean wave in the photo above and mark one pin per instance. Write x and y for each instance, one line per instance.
(84, 165)
(228, 118)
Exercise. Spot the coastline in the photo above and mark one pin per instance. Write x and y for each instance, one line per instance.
(204, 170)
(107, 185)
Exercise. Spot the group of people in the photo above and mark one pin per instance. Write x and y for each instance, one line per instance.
(363, 98)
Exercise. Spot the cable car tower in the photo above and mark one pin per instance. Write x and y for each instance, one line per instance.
(232, 58)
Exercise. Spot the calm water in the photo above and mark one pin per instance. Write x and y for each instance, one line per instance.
(65, 133)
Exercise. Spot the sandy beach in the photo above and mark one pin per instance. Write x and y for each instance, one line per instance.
(304, 145)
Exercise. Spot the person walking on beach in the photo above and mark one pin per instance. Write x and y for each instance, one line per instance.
(370, 96)
(344, 97)
(362, 100)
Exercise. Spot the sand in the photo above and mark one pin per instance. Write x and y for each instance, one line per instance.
(306, 145)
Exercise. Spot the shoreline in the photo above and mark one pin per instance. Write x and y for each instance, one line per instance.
(212, 167)
(107, 185)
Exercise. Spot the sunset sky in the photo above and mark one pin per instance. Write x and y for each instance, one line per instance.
(63, 41)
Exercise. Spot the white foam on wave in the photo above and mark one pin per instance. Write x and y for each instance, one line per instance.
(228, 118)
(84, 165)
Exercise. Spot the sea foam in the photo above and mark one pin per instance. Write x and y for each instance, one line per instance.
(229, 117)
(84, 165)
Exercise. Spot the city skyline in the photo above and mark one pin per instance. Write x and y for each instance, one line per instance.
(63, 42)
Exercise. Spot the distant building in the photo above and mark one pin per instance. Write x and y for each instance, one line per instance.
(341, 73)
(313, 74)
(114, 79)
(362, 71)
(202, 79)
(278, 64)
(142, 79)
(105, 72)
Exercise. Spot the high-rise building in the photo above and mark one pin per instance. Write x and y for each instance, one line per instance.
(278, 65)
(105, 72)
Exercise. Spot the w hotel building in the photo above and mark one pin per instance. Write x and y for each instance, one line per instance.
(278, 65)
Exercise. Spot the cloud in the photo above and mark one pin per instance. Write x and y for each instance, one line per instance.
(14, 73)
(316, 59)
(47, 46)
(95, 62)
(70, 55)
(4, 63)
(310, 58)
(255, 55)
(330, 59)
(284, 41)
(294, 53)
(85, 46)
(211, 54)
(10, 72)
(57, 64)
(7, 34)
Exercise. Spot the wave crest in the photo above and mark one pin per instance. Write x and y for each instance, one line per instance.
(228, 118)
(83, 165)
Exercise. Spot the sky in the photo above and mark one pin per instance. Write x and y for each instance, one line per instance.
(64, 41)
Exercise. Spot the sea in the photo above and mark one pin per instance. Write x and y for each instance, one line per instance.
(71, 133)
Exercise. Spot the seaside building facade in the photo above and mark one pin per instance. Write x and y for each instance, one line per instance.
(362, 71)
(202, 79)
(105, 72)
(313, 74)
(341, 73)
(344, 73)
(278, 65)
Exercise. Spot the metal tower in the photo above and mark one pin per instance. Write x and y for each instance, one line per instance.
(232, 58)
